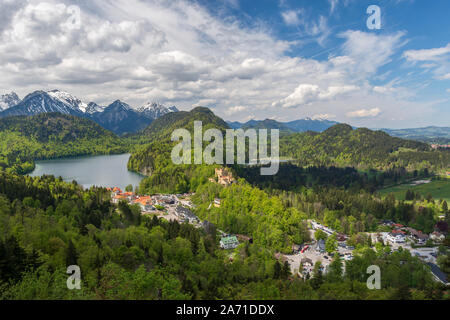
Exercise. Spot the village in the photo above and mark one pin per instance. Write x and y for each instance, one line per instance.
(421, 245)
(178, 207)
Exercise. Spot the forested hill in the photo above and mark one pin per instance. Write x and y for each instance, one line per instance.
(341, 145)
(51, 126)
(163, 127)
(155, 161)
(24, 139)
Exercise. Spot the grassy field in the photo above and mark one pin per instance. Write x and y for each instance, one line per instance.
(439, 189)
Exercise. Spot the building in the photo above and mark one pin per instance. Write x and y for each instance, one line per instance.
(116, 190)
(145, 202)
(396, 237)
(418, 236)
(224, 177)
(437, 236)
(438, 274)
(230, 242)
(118, 197)
(217, 202)
(186, 215)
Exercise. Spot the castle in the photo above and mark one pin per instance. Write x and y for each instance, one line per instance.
(224, 177)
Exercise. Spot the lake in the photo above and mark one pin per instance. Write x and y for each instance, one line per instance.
(102, 171)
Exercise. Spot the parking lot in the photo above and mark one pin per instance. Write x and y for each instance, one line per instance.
(312, 254)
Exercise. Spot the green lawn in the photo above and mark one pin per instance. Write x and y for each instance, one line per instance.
(439, 189)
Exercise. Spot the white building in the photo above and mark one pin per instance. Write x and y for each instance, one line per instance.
(396, 238)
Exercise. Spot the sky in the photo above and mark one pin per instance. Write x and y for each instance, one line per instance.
(244, 59)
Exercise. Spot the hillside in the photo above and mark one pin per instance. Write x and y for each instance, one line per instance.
(154, 160)
(341, 145)
(51, 135)
(163, 127)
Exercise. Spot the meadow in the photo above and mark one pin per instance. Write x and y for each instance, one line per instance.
(439, 189)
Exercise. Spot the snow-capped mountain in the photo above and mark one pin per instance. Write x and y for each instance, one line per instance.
(45, 102)
(69, 99)
(8, 100)
(92, 108)
(118, 117)
(154, 110)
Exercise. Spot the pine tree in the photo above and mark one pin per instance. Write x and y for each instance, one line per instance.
(71, 254)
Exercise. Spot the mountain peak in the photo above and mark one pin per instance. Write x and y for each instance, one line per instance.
(154, 110)
(120, 104)
(93, 107)
(8, 100)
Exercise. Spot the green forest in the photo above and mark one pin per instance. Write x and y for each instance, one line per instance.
(47, 224)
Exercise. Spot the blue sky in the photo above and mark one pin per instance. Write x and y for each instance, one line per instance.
(244, 59)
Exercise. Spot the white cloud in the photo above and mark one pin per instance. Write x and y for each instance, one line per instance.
(291, 18)
(333, 5)
(427, 54)
(177, 52)
(323, 116)
(235, 109)
(307, 93)
(364, 113)
(369, 51)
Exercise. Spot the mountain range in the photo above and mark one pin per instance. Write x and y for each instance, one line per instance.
(121, 118)
(118, 117)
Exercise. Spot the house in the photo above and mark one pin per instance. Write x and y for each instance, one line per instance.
(387, 222)
(145, 202)
(217, 202)
(396, 237)
(437, 236)
(230, 242)
(116, 190)
(320, 246)
(420, 237)
(118, 197)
